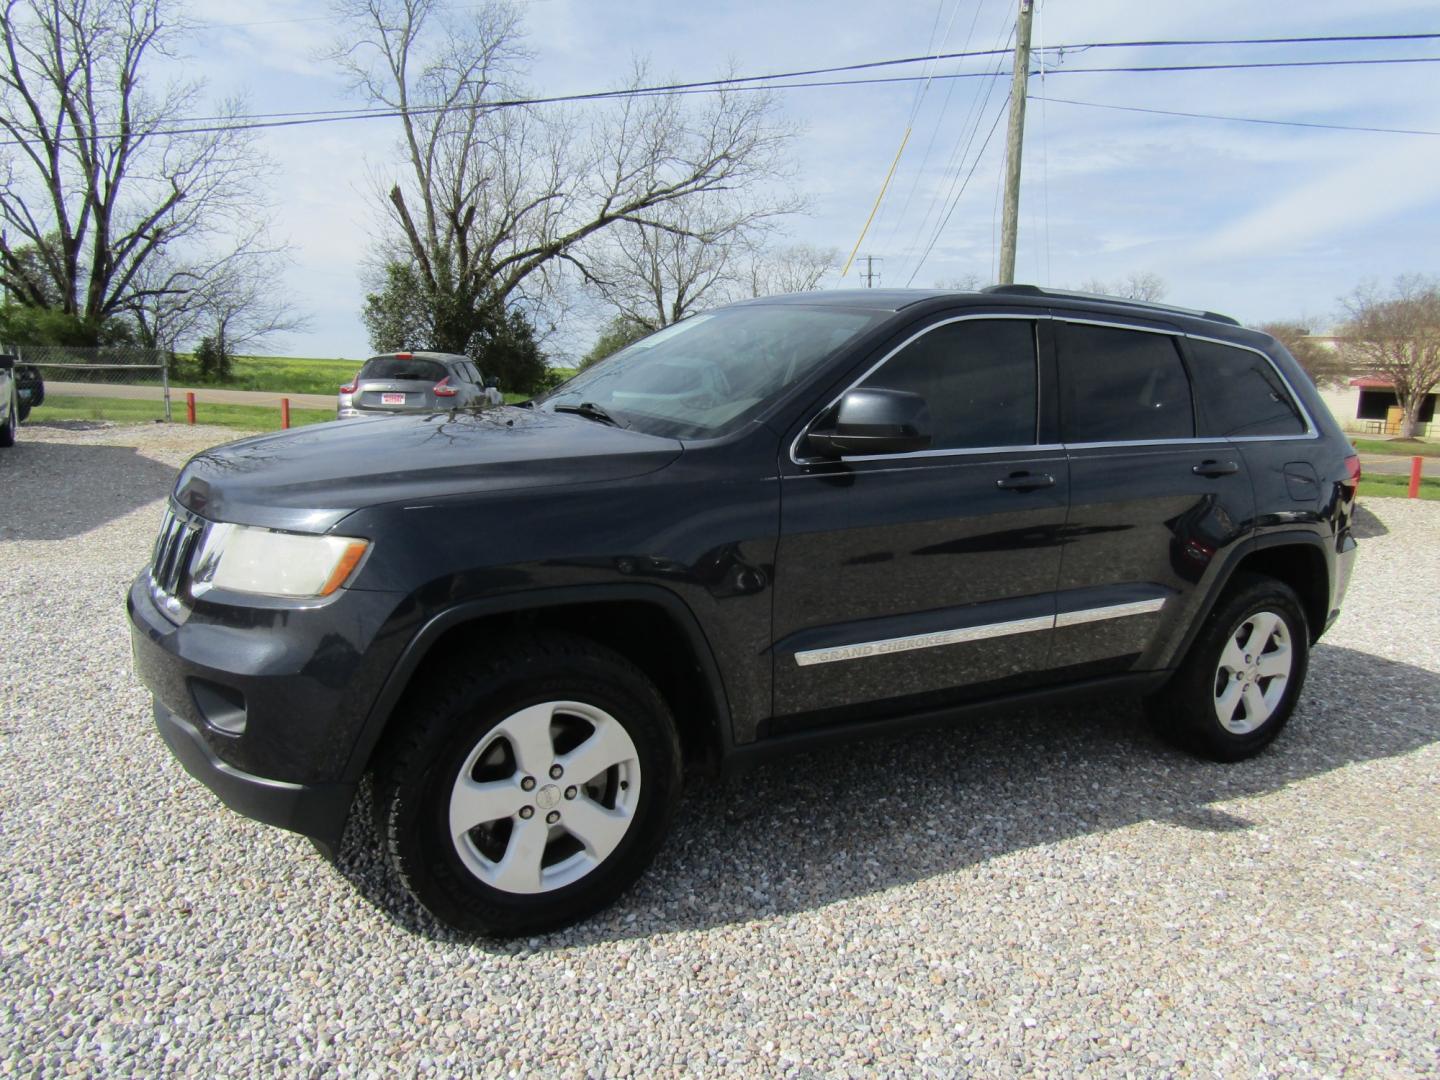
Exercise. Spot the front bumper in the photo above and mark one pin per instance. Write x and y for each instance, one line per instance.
(318, 811)
(266, 706)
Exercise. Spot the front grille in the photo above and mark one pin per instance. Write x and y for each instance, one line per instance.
(174, 550)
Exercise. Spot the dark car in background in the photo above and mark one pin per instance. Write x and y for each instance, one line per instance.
(29, 389)
(415, 382)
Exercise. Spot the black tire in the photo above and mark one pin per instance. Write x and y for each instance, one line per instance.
(24, 412)
(12, 423)
(421, 762)
(1185, 710)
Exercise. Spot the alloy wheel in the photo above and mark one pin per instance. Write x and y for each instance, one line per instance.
(1254, 669)
(544, 797)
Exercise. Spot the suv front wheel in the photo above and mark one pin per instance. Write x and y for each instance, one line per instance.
(531, 792)
(1242, 676)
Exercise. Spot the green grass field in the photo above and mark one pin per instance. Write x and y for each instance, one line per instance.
(1397, 487)
(282, 374)
(1400, 447)
(128, 411)
(298, 375)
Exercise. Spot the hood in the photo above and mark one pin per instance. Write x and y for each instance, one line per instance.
(308, 478)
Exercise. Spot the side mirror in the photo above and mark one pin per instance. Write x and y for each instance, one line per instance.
(874, 422)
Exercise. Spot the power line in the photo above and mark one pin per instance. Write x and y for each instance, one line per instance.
(968, 130)
(1310, 40)
(734, 81)
(1248, 66)
(956, 201)
(1239, 119)
(247, 122)
(934, 133)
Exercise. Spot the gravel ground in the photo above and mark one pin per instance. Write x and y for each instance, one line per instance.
(1050, 893)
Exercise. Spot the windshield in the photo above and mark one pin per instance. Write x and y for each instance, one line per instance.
(698, 377)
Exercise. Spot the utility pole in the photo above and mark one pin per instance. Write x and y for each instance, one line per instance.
(1014, 137)
(870, 262)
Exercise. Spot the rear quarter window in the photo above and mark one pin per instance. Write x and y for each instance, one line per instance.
(394, 368)
(1239, 393)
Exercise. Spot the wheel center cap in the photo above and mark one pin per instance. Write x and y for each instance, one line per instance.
(548, 797)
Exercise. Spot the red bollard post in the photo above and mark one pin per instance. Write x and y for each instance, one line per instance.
(284, 412)
(189, 406)
(1415, 465)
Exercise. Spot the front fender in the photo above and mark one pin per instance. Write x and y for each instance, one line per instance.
(447, 619)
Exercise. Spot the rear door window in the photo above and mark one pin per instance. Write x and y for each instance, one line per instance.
(392, 368)
(1121, 385)
(1239, 393)
(978, 378)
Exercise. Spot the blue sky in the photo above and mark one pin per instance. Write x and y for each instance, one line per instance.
(1259, 222)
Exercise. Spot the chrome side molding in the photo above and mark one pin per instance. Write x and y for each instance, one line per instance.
(885, 646)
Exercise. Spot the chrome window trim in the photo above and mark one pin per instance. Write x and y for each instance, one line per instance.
(1055, 448)
(1116, 325)
(795, 443)
(1311, 431)
(985, 631)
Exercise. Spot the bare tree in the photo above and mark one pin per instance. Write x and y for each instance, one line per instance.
(1321, 360)
(182, 298)
(654, 277)
(1135, 286)
(969, 282)
(789, 268)
(492, 199)
(96, 176)
(1395, 335)
(244, 304)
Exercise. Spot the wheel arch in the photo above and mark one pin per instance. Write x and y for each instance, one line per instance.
(650, 626)
(1300, 564)
(1295, 558)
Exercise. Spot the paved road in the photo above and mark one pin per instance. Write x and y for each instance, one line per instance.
(203, 394)
(1395, 465)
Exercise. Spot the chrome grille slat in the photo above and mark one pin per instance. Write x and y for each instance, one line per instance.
(175, 547)
(184, 550)
(166, 560)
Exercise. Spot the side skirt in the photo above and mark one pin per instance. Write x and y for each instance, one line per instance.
(743, 758)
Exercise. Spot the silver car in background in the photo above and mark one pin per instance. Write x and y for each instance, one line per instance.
(418, 382)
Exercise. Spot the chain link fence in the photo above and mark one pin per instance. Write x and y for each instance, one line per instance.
(102, 382)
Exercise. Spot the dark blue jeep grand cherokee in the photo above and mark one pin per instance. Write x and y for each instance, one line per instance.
(782, 522)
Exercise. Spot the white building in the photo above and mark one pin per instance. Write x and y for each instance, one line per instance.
(1366, 405)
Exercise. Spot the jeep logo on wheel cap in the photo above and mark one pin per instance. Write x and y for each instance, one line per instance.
(548, 797)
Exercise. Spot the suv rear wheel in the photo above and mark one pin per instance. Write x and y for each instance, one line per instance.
(1239, 683)
(533, 791)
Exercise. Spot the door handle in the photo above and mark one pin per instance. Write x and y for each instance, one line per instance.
(1211, 467)
(1024, 481)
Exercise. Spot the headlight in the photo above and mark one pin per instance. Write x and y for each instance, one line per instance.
(252, 560)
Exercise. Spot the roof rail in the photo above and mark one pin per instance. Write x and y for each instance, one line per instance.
(1066, 294)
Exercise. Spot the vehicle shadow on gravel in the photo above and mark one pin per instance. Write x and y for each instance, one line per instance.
(55, 491)
(809, 831)
(1366, 525)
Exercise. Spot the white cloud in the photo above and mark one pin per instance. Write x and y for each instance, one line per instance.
(1257, 218)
